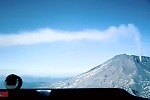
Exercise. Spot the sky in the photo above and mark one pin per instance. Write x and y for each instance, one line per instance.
(61, 38)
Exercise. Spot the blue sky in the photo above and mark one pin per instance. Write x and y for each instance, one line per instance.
(68, 37)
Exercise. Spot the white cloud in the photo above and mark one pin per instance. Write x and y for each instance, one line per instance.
(47, 35)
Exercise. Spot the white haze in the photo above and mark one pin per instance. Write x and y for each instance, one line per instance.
(48, 35)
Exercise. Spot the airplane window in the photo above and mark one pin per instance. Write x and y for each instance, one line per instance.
(63, 44)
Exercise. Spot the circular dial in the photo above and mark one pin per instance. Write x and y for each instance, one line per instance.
(13, 81)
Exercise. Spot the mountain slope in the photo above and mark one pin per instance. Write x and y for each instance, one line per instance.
(122, 71)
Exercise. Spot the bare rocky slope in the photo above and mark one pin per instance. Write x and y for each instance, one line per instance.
(122, 71)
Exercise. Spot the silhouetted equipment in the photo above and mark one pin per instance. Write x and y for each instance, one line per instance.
(13, 81)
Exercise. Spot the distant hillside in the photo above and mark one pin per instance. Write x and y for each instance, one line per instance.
(122, 71)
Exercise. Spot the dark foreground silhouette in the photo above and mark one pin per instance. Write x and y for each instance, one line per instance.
(13, 92)
(69, 94)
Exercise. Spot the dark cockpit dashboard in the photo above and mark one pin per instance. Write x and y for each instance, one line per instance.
(13, 91)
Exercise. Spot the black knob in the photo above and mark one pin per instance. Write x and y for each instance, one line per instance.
(13, 81)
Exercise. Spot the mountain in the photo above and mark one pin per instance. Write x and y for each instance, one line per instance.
(122, 71)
